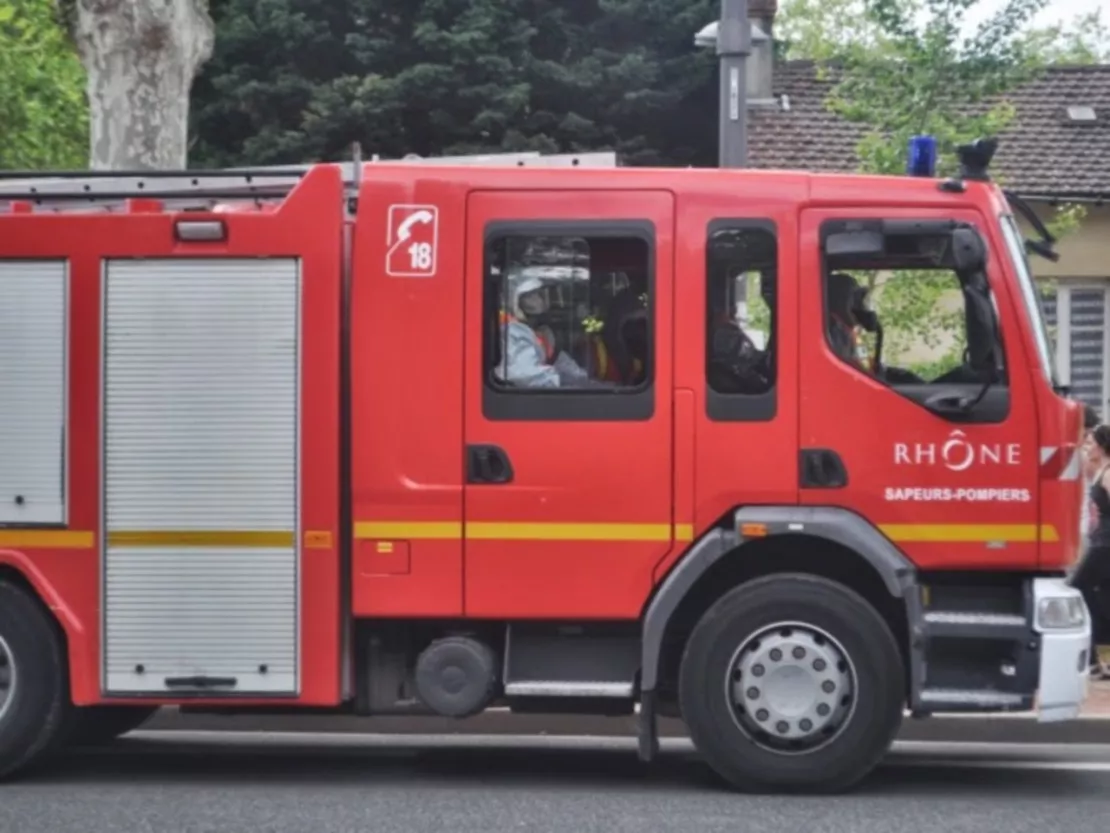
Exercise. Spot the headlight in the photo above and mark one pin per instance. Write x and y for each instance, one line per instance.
(1061, 613)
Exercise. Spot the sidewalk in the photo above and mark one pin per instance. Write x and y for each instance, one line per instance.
(1093, 727)
(1098, 701)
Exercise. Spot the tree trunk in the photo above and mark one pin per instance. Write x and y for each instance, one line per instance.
(141, 57)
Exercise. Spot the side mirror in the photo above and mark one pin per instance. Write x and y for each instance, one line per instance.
(969, 253)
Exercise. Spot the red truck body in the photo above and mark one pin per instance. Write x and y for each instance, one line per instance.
(432, 519)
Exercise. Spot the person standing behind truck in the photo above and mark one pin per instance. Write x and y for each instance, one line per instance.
(1090, 467)
(1092, 578)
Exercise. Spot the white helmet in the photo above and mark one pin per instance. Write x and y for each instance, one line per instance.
(521, 282)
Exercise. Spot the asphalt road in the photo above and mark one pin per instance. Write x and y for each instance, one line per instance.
(1094, 729)
(196, 782)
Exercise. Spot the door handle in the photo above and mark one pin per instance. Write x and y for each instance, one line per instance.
(488, 464)
(822, 468)
(201, 682)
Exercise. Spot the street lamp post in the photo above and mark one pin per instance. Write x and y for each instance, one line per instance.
(732, 37)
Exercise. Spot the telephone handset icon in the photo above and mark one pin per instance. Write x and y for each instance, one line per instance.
(404, 230)
(412, 252)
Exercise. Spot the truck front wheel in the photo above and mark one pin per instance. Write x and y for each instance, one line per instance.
(794, 683)
(32, 680)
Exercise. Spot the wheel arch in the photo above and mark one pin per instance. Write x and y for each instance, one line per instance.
(828, 541)
(19, 570)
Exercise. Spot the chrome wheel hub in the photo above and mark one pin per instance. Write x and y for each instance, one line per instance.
(792, 687)
(7, 678)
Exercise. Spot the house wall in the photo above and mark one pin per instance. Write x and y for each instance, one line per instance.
(1077, 302)
(1085, 253)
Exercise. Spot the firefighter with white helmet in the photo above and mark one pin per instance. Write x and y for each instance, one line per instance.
(529, 358)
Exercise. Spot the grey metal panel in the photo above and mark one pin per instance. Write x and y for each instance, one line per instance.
(1049, 302)
(1088, 307)
(33, 396)
(1087, 348)
(201, 386)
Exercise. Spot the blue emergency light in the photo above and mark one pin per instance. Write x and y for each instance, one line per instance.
(922, 158)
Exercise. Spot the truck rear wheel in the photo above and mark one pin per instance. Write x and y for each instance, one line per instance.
(792, 683)
(32, 680)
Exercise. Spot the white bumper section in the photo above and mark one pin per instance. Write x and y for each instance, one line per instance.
(1065, 644)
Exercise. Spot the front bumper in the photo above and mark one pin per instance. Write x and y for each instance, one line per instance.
(1063, 675)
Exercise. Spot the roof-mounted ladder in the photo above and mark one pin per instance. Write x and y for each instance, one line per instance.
(181, 189)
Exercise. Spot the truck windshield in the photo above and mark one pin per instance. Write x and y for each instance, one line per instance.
(1030, 296)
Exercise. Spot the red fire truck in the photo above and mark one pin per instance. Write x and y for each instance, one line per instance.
(389, 438)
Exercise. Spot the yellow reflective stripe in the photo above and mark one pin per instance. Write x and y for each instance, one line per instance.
(497, 531)
(44, 539)
(233, 538)
(568, 532)
(408, 530)
(509, 531)
(489, 531)
(969, 533)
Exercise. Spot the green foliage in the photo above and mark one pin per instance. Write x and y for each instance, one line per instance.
(43, 109)
(759, 313)
(1066, 220)
(824, 30)
(923, 320)
(927, 79)
(918, 75)
(1085, 40)
(293, 80)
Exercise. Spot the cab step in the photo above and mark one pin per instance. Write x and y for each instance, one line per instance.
(973, 647)
(954, 699)
(969, 624)
(568, 688)
(570, 661)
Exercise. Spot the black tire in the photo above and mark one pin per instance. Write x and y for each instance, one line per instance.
(97, 725)
(39, 698)
(708, 712)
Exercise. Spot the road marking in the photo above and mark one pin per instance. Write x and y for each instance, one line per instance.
(1027, 715)
(957, 763)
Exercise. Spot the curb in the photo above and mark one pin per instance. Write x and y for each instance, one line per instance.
(1003, 728)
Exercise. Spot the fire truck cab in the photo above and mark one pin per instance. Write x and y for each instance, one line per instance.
(410, 439)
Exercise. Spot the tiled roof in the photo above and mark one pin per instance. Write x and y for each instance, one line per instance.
(1042, 153)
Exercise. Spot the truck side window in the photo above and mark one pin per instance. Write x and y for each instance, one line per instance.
(902, 306)
(568, 316)
(740, 359)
